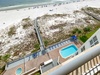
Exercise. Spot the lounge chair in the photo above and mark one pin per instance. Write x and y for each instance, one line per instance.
(34, 55)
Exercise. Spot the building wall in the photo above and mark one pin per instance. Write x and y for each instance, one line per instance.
(87, 44)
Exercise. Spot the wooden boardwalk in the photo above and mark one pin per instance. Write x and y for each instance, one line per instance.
(37, 61)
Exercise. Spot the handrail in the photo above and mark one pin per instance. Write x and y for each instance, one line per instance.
(77, 61)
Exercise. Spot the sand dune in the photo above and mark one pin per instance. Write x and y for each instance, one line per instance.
(11, 17)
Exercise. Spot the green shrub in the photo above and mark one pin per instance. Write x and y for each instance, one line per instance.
(37, 74)
(86, 29)
(33, 51)
(76, 30)
(37, 46)
(46, 42)
(12, 31)
(79, 31)
(5, 57)
(83, 38)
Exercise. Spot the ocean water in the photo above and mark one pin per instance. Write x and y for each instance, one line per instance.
(6, 3)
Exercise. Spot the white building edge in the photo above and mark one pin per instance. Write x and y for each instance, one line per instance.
(92, 41)
(89, 53)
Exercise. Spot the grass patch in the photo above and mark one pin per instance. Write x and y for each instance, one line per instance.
(2, 69)
(34, 51)
(36, 48)
(58, 26)
(46, 42)
(83, 38)
(37, 73)
(5, 57)
(89, 34)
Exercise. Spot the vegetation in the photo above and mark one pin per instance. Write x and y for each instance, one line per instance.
(5, 57)
(76, 31)
(89, 34)
(12, 31)
(83, 38)
(26, 19)
(0, 57)
(37, 73)
(56, 15)
(94, 10)
(86, 29)
(57, 26)
(2, 69)
(3, 60)
(16, 53)
(33, 51)
(46, 42)
(86, 32)
(27, 23)
(36, 48)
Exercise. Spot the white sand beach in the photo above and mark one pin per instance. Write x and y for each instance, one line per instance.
(11, 17)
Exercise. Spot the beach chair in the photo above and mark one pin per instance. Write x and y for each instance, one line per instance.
(34, 55)
(43, 52)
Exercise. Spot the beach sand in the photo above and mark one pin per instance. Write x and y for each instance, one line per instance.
(13, 17)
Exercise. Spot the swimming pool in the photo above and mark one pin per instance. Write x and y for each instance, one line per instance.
(18, 71)
(67, 51)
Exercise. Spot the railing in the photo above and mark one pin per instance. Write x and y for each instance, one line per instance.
(31, 70)
(31, 56)
(78, 61)
(94, 70)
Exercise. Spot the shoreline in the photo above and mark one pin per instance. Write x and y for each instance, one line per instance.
(15, 7)
(13, 17)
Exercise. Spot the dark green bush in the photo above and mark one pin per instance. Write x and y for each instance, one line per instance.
(83, 38)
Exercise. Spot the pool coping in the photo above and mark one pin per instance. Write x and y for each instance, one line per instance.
(71, 54)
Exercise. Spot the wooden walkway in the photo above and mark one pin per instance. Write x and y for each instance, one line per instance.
(52, 54)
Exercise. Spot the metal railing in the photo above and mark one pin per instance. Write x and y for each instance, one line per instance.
(31, 55)
(77, 61)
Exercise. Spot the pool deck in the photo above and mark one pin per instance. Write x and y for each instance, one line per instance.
(37, 61)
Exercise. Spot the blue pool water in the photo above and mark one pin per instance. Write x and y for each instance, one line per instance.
(67, 51)
(18, 71)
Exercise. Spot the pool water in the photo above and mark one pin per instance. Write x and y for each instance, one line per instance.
(18, 71)
(67, 51)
